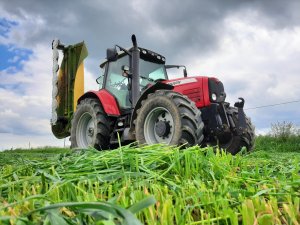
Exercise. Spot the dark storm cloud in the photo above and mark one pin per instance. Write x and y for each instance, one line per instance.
(96, 23)
(171, 27)
(276, 14)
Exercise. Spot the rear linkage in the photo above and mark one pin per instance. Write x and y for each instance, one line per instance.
(242, 124)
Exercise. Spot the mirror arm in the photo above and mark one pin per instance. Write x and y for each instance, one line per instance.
(97, 80)
(123, 49)
(184, 72)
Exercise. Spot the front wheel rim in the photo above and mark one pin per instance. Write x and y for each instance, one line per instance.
(85, 130)
(155, 117)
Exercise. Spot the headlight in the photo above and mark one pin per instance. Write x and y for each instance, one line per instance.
(213, 96)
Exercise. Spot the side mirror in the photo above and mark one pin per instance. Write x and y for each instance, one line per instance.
(111, 54)
(177, 66)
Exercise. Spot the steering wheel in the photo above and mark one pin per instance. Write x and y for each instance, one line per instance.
(120, 85)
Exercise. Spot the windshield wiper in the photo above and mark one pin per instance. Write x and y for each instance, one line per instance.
(147, 78)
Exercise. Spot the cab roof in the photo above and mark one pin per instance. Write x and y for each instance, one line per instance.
(145, 54)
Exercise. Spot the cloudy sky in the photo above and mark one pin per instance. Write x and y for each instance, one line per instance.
(252, 46)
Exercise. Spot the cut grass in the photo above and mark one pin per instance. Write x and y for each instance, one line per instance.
(17, 156)
(192, 186)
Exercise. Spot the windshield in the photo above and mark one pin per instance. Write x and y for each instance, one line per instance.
(152, 71)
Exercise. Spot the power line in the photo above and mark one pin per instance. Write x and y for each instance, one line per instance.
(266, 106)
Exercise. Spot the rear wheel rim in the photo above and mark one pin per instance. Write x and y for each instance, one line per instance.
(154, 117)
(85, 130)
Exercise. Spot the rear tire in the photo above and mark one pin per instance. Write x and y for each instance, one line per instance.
(90, 126)
(237, 142)
(168, 117)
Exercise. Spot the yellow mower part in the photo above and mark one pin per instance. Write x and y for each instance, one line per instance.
(68, 86)
(78, 85)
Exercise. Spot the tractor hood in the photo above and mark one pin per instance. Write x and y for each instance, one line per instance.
(200, 89)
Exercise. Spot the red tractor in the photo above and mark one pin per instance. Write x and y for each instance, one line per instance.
(138, 102)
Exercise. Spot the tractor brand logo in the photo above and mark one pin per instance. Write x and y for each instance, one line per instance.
(184, 81)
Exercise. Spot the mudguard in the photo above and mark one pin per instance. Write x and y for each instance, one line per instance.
(107, 100)
(68, 85)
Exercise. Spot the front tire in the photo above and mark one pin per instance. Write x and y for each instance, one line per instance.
(90, 126)
(168, 117)
(236, 142)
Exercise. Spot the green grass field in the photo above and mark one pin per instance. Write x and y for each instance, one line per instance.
(152, 185)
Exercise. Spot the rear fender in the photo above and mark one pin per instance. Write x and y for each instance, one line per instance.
(151, 89)
(107, 100)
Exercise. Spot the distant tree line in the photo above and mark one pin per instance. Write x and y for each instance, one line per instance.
(284, 130)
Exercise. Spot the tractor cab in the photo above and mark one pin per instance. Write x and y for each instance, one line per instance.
(117, 77)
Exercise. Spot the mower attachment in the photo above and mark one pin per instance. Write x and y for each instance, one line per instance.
(67, 85)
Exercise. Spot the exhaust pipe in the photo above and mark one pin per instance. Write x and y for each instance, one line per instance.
(135, 71)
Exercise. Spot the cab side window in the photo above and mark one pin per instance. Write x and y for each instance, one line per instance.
(117, 84)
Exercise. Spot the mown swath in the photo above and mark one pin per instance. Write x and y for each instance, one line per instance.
(193, 186)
